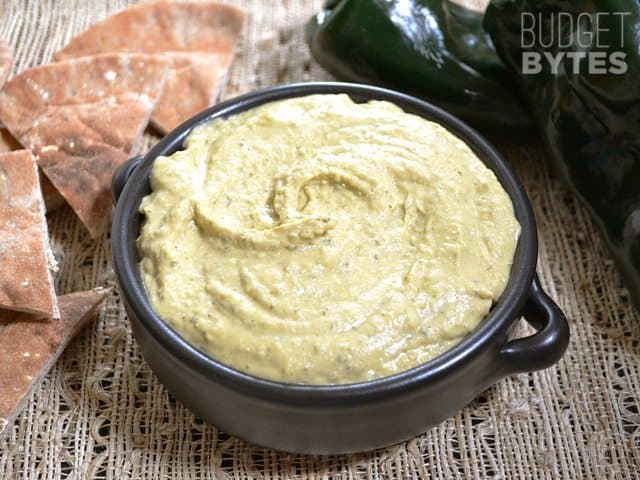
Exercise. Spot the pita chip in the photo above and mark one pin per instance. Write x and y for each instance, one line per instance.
(198, 38)
(83, 118)
(192, 86)
(28, 348)
(52, 198)
(26, 261)
(6, 62)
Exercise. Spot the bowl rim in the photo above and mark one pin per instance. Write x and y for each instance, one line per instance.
(506, 311)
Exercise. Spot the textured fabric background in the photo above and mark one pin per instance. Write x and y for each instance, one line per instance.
(102, 414)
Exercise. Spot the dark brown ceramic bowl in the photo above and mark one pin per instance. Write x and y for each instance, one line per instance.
(341, 418)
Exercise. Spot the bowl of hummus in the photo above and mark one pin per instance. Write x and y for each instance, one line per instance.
(328, 268)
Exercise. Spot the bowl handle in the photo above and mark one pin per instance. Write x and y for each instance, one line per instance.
(545, 347)
(122, 174)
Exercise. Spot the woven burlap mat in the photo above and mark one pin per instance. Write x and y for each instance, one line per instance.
(101, 413)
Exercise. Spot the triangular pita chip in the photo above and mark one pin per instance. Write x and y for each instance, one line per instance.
(52, 198)
(83, 118)
(6, 61)
(199, 37)
(192, 86)
(26, 284)
(28, 349)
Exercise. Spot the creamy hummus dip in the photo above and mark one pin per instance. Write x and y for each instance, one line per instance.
(316, 240)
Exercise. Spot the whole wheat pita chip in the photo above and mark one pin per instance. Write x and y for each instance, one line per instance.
(83, 118)
(162, 26)
(198, 37)
(52, 198)
(6, 61)
(28, 349)
(26, 284)
(84, 180)
(189, 89)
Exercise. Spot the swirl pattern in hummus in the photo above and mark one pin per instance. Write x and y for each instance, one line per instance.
(315, 240)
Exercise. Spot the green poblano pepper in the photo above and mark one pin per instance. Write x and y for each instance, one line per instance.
(577, 64)
(434, 49)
